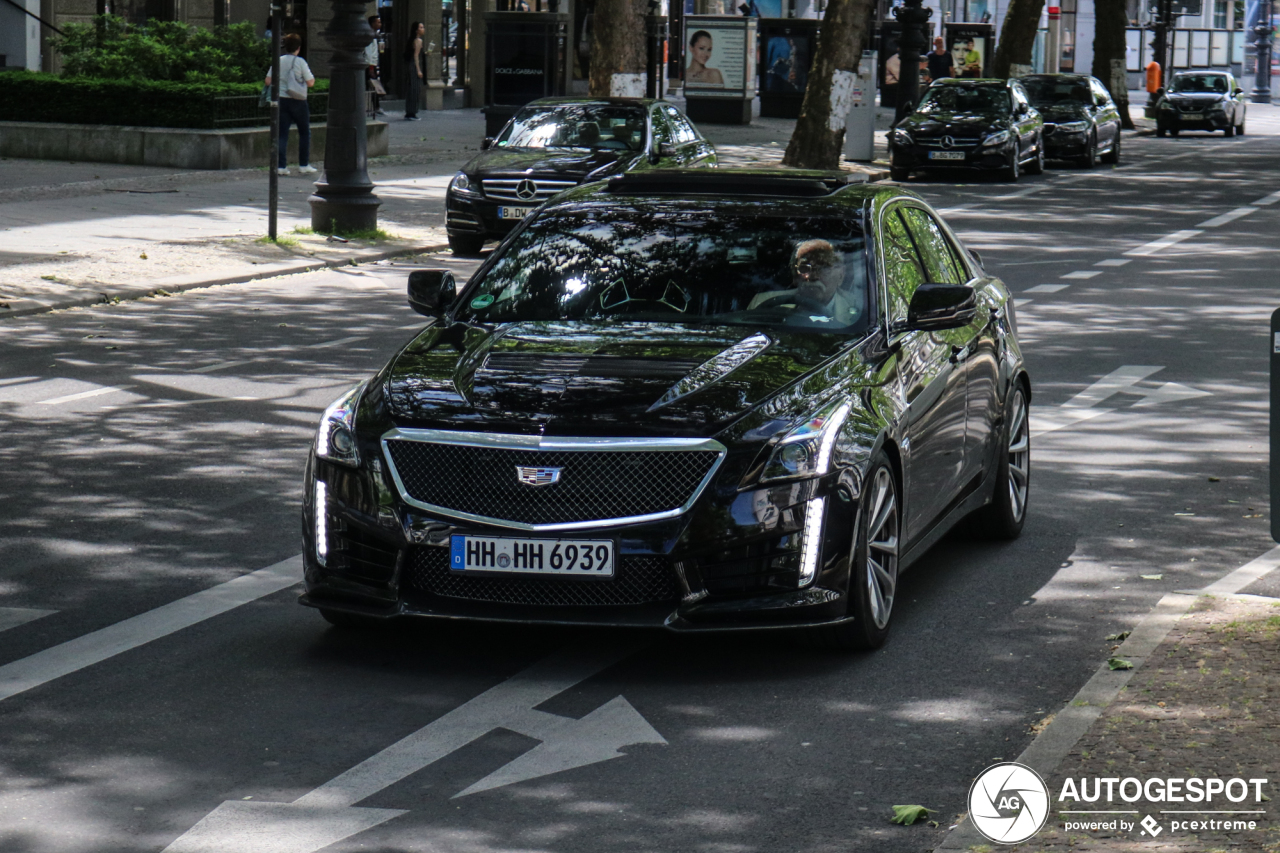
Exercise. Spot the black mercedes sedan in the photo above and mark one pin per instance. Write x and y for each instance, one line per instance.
(1201, 100)
(980, 124)
(557, 143)
(699, 400)
(1081, 121)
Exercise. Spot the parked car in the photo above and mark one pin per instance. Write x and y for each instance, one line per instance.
(557, 143)
(697, 400)
(1081, 121)
(981, 124)
(1201, 100)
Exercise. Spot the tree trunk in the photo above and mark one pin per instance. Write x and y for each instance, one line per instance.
(819, 135)
(1109, 53)
(1017, 38)
(617, 49)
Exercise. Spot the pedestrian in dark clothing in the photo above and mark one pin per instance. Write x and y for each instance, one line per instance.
(940, 62)
(295, 79)
(413, 56)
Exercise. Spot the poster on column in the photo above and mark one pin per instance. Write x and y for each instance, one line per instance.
(970, 46)
(719, 56)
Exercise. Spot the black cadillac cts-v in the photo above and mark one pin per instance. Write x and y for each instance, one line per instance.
(712, 400)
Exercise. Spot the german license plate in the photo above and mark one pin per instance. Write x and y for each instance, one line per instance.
(1193, 116)
(578, 557)
(513, 212)
(946, 155)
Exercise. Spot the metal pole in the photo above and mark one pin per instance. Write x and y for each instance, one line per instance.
(273, 177)
(1053, 42)
(655, 36)
(911, 46)
(1261, 93)
(1275, 422)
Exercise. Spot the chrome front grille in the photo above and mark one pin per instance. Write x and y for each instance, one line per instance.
(957, 143)
(509, 189)
(639, 580)
(474, 476)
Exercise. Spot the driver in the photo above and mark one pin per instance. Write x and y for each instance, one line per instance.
(817, 271)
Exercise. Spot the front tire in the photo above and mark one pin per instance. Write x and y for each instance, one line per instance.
(1240, 127)
(1229, 131)
(1036, 166)
(1010, 173)
(1112, 157)
(466, 245)
(1090, 158)
(1161, 130)
(899, 174)
(873, 571)
(1004, 516)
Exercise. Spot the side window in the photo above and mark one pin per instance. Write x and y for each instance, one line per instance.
(939, 264)
(903, 269)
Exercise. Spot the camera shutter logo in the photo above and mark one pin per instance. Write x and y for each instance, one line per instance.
(1009, 803)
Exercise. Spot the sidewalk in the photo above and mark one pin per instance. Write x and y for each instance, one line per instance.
(1199, 701)
(79, 233)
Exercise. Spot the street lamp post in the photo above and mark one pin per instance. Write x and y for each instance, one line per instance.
(1261, 93)
(655, 38)
(911, 44)
(344, 200)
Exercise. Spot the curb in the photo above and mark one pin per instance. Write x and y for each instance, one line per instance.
(36, 306)
(1052, 745)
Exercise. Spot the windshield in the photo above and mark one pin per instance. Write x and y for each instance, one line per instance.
(1049, 92)
(979, 100)
(581, 126)
(1199, 83)
(687, 266)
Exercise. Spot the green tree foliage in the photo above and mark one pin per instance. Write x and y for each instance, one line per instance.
(111, 48)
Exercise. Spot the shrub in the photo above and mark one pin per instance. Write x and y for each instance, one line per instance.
(113, 49)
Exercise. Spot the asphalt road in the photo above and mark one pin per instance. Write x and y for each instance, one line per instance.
(154, 452)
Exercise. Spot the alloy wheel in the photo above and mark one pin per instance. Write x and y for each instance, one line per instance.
(882, 547)
(1019, 455)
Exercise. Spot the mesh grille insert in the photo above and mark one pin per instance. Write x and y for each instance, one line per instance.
(639, 580)
(593, 485)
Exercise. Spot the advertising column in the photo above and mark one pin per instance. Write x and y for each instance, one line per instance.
(719, 68)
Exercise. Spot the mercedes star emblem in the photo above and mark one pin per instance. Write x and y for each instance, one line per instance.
(948, 142)
(526, 189)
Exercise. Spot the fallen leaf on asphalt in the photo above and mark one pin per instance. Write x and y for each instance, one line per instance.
(1152, 577)
(1119, 663)
(907, 815)
(1123, 635)
(143, 256)
(160, 291)
(284, 325)
(113, 347)
(1215, 479)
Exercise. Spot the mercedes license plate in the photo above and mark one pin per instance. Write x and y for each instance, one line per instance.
(1193, 116)
(513, 212)
(579, 557)
(946, 155)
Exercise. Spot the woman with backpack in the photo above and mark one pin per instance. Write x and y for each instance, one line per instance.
(295, 79)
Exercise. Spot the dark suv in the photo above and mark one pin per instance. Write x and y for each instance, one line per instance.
(1201, 100)
(978, 124)
(557, 143)
(698, 400)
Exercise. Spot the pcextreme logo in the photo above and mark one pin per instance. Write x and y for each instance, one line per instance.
(1008, 803)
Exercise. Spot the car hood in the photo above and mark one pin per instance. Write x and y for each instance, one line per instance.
(595, 377)
(1196, 97)
(959, 124)
(568, 164)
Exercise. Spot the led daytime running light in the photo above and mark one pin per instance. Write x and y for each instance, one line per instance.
(811, 540)
(322, 530)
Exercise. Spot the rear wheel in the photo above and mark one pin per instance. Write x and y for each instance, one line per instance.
(465, 244)
(1004, 516)
(1113, 156)
(873, 572)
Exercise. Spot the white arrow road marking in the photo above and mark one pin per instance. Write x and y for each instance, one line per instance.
(327, 814)
(1084, 406)
(83, 395)
(41, 667)
(1046, 288)
(1114, 262)
(1229, 216)
(1268, 199)
(1082, 274)
(12, 617)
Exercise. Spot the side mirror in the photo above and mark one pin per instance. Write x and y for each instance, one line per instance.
(431, 292)
(973, 253)
(486, 143)
(1022, 109)
(941, 306)
(1238, 92)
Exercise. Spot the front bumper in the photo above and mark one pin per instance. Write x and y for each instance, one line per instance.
(1175, 120)
(478, 216)
(730, 563)
(979, 158)
(1060, 144)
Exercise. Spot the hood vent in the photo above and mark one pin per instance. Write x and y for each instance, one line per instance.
(593, 367)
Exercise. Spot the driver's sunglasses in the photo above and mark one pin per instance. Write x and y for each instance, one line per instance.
(804, 266)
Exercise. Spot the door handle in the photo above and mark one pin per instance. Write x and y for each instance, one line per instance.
(959, 354)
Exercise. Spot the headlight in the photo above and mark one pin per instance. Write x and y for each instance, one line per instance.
(1166, 106)
(336, 437)
(806, 451)
(1073, 126)
(1216, 107)
(997, 138)
(901, 137)
(461, 184)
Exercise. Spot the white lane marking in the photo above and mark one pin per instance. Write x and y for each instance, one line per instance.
(83, 395)
(1229, 216)
(222, 365)
(97, 646)
(1018, 303)
(1163, 243)
(1084, 406)
(1114, 262)
(339, 342)
(1268, 200)
(959, 207)
(328, 814)
(1046, 288)
(1082, 274)
(12, 617)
